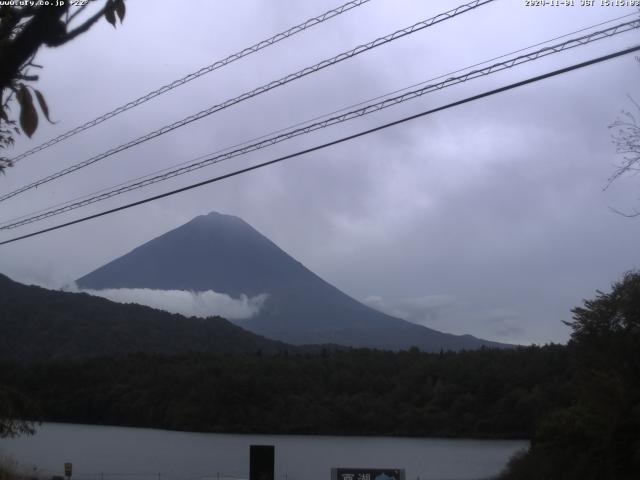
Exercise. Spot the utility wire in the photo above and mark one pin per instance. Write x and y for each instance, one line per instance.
(254, 139)
(195, 165)
(336, 142)
(192, 76)
(262, 89)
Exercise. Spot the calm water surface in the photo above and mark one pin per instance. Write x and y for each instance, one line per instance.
(117, 453)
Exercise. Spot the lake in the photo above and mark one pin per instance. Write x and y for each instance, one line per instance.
(118, 453)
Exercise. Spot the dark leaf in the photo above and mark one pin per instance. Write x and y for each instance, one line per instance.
(43, 105)
(28, 114)
(109, 13)
(120, 9)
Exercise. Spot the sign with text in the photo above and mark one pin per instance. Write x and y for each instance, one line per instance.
(367, 474)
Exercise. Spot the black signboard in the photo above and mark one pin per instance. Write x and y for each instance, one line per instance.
(261, 462)
(367, 474)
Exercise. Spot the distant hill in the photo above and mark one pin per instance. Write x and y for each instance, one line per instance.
(225, 254)
(38, 324)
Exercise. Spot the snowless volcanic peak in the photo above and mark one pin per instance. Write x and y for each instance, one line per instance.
(225, 254)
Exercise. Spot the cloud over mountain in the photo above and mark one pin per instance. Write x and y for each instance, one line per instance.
(191, 304)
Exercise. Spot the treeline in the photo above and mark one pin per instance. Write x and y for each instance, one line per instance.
(596, 436)
(484, 393)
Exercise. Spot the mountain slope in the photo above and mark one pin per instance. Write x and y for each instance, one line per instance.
(225, 254)
(39, 324)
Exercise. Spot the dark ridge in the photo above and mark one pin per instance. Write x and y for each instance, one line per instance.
(37, 324)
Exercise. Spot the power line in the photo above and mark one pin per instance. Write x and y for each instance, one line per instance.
(262, 89)
(254, 139)
(331, 121)
(336, 142)
(192, 76)
(195, 165)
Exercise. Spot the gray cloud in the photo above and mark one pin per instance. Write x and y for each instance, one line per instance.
(447, 313)
(427, 309)
(191, 304)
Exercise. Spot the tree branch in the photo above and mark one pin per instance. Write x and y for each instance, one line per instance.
(75, 14)
(86, 25)
(9, 23)
(636, 213)
(38, 30)
(28, 78)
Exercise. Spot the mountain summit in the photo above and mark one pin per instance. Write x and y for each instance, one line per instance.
(225, 254)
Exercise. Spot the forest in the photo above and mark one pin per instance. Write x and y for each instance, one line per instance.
(484, 393)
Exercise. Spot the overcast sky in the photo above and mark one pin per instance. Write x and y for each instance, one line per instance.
(488, 218)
